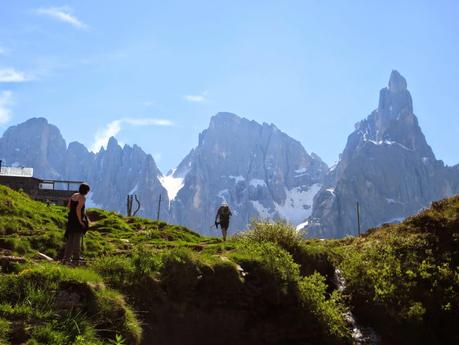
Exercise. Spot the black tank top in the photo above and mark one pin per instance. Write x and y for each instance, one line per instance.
(73, 223)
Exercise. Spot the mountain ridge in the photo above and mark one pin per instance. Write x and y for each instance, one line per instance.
(113, 172)
(386, 165)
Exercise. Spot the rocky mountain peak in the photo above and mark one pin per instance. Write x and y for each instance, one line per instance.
(43, 150)
(387, 165)
(259, 170)
(392, 123)
(397, 83)
(224, 117)
(395, 99)
(225, 122)
(113, 144)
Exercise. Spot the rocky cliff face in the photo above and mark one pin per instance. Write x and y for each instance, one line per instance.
(34, 143)
(260, 171)
(119, 171)
(113, 173)
(387, 166)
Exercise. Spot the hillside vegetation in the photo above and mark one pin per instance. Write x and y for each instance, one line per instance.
(148, 282)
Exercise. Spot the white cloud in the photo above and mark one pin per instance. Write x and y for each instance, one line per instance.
(6, 101)
(196, 98)
(113, 128)
(102, 136)
(148, 122)
(63, 14)
(10, 75)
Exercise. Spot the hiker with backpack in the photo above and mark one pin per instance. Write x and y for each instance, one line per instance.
(223, 218)
(77, 224)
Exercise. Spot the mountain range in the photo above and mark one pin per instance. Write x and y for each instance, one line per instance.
(387, 166)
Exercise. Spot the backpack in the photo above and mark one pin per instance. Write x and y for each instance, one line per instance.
(224, 212)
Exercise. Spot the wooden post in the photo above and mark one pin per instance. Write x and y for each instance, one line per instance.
(159, 207)
(129, 205)
(358, 217)
(138, 204)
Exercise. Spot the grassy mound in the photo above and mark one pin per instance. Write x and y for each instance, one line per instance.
(53, 304)
(404, 279)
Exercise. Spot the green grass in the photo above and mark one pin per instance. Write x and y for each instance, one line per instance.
(403, 280)
(54, 304)
(27, 227)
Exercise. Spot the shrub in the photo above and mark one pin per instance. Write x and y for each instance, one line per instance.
(328, 311)
(312, 256)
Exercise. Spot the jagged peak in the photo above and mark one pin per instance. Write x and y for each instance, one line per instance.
(395, 99)
(77, 146)
(226, 115)
(112, 142)
(397, 82)
(223, 118)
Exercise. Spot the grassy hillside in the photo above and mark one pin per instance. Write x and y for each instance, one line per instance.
(153, 283)
(147, 282)
(404, 279)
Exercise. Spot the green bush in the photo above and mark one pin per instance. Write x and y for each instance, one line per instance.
(273, 258)
(405, 277)
(312, 255)
(328, 310)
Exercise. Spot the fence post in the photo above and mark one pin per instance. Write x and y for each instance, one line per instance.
(358, 217)
(159, 207)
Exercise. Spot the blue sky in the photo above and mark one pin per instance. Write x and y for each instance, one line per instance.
(154, 72)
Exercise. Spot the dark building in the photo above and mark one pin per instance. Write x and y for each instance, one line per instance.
(49, 191)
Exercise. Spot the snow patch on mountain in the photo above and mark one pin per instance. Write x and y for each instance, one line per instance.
(255, 182)
(172, 184)
(298, 203)
(301, 226)
(223, 193)
(237, 179)
(384, 142)
(263, 212)
(331, 190)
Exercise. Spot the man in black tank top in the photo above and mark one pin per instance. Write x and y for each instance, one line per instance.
(77, 224)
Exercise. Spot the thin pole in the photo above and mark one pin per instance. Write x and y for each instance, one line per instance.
(358, 217)
(159, 207)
